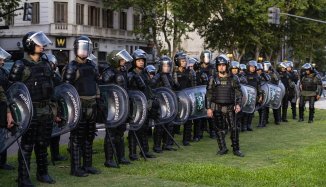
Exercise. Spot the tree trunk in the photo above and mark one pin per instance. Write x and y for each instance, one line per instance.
(164, 27)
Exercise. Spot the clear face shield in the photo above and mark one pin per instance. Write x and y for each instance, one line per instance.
(84, 48)
(166, 67)
(207, 58)
(124, 55)
(4, 54)
(39, 38)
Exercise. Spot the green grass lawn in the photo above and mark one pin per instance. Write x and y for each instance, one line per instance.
(291, 154)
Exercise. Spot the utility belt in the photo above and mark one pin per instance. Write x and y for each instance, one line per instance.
(40, 104)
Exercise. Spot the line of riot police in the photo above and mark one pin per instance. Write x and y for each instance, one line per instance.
(127, 95)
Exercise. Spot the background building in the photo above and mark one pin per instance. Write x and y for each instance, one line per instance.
(64, 20)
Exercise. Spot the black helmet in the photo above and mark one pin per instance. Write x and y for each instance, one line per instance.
(178, 56)
(307, 66)
(83, 47)
(252, 63)
(260, 66)
(193, 62)
(52, 59)
(222, 59)
(243, 67)
(139, 54)
(234, 65)
(164, 60)
(113, 58)
(4, 54)
(150, 69)
(267, 66)
(206, 56)
(31, 39)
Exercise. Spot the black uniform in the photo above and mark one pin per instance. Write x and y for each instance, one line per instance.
(83, 75)
(3, 116)
(285, 78)
(310, 88)
(292, 91)
(119, 77)
(241, 117)
(223, 93)
(185, 79)
(163, 80)
(254, 80)
(202, 77)
(262, 109)
(274, 79)
(38, 77)
(138, 80)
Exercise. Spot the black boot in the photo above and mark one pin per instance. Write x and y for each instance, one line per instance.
(88, 158)
(157, 137)
(249, 121)
(284, 114)
(276, 116)
(3, 162)
(294, 110)
(121, 152)
(235, 143)
(311, 115)
(108, 150)
(212, 129)
(221, 143)
(187, 133)
(54, 149)
(267, 115)
(75, 154)
(197, 130)
(42, 164)
(167, 140)
(260, 121)
(301, 114)
(145, 146)
(132, 145)
(23, 178)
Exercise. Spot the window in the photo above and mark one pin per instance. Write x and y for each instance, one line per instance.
(79, 14)
(136, 21)
(107, 16)
(123, 20)
(60, 12)
(93, 16)
(131, 49)
(35, 13)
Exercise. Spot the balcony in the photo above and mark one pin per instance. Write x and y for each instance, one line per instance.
(97, 32)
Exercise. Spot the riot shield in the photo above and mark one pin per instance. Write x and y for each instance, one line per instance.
(196, 96)
(168, 105)
(137, 109)
(21, 108)
(272, 96)
(113, 105)
(184, 108)
(68, 108)
(281, 85)
(249, 95)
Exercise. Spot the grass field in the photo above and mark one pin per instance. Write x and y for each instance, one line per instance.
(292, 154)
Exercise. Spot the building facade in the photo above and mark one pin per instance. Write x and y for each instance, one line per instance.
(64, 20)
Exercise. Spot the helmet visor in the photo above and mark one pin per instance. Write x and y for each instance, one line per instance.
(84, 48)
(207, 58)
(123, 54)
(4, 54)
(40, 39)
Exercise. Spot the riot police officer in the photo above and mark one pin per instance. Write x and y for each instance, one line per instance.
(262, 109)
(82, 73)
(310, 86)
(55, 141)
(254, 81)
(184, 78)
(274, 79)
(6, 120)
(206, 70)
(223, 103)
(287, 82)
(37, 74)
(293, 91)
(138, 80)
(163, 79)
(235, 70)
(116, 73)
